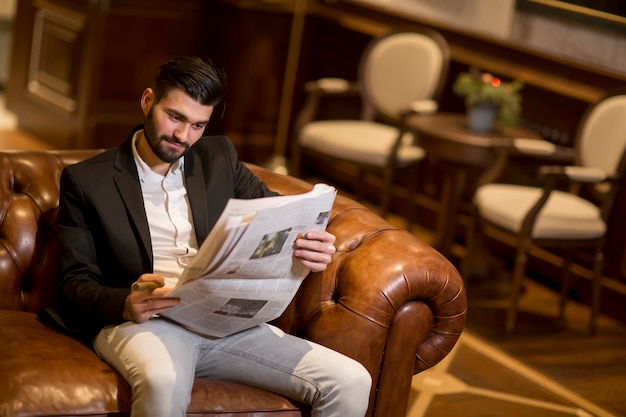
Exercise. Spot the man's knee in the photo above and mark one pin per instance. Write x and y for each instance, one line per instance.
(161, 394)
(357, 381)
(351, 392)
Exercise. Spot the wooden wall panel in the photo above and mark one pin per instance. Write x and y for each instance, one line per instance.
(250, 40)
(56, 50)
(78, 67)
(43, 86)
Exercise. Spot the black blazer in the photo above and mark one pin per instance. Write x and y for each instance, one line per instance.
(103, 232)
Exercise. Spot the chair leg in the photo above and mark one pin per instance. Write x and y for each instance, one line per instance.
(296, 160)
(519, 271)
(565, 284)
(410, 195)
(596, 281)
(385, 194)
(359, 189)
(478, 264)
(472, 243)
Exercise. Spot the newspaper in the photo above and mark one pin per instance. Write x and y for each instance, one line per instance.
(245, 274)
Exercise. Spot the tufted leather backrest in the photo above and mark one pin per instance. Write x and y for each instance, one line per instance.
(29, 198)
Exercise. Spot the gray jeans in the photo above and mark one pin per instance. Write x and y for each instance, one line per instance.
(160, 359)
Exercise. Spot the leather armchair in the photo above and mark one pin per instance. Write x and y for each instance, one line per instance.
(388, 300)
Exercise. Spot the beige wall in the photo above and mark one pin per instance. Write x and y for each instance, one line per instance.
(489, 17)
(500, 19)
(7, 12)
(573, 41)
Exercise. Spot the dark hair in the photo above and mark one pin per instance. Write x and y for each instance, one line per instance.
(199, 78)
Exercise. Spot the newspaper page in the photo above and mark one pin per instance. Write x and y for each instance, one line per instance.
(245, 273)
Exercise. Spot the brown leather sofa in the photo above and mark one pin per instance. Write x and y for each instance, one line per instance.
(388, 300)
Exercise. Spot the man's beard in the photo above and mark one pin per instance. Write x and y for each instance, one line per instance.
(155, 142)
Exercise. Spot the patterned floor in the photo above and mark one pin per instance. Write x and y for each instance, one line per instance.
(479, 379)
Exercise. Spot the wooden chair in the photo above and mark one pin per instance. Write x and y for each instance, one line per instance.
(565, 219)
(401, 72)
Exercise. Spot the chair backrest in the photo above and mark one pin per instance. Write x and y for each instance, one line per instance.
(601, 137)
(400, 67)
(601, 142)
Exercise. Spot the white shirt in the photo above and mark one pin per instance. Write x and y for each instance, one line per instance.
(169, 217)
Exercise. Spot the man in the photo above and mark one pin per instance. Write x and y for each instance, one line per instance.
(138, 213)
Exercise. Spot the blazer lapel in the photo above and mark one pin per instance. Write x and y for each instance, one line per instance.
(127, 182)
(196, 193)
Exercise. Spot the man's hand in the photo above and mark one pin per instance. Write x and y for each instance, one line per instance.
(315, 249)
(147, 298)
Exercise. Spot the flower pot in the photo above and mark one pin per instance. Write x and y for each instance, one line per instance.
(482, 116)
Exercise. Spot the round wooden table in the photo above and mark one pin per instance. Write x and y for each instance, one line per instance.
(463, 154)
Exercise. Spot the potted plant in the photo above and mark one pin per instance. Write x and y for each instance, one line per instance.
(486, 97)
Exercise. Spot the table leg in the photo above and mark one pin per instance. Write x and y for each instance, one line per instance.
(453, 185)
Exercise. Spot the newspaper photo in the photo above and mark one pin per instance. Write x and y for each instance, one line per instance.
(245, 273)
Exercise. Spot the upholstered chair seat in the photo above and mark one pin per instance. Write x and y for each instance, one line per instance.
(374, 146)
(564, 216)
